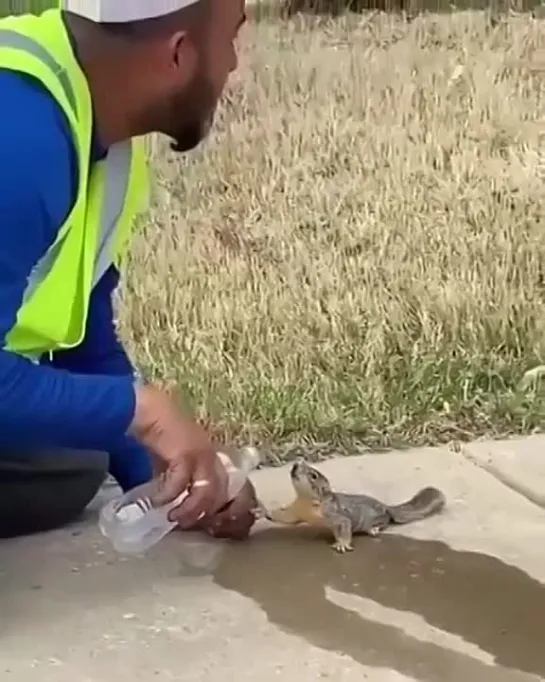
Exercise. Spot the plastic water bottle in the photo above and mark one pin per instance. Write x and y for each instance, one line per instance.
(133, 524)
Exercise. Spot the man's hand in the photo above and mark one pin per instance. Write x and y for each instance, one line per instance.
(187, 455)
(236, 519)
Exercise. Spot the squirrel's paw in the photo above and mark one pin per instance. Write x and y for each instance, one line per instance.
(260, 512)
(341, 546)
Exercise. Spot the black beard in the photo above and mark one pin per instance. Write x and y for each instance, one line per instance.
(192, 135)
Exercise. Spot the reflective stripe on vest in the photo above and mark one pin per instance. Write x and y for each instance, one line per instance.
(117, 167)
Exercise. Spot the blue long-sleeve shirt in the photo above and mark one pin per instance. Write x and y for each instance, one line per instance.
(82, 398)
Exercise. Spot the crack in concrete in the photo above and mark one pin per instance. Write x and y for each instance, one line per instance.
(506, 480)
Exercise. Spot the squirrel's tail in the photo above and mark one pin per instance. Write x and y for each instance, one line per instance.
(426, 502)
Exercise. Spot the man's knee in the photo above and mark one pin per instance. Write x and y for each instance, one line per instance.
(46, 490)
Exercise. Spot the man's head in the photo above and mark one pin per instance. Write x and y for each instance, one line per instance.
(165, 73)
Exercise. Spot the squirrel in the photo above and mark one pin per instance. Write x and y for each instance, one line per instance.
(347, 514)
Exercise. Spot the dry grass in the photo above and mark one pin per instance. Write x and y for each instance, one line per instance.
(357, 254)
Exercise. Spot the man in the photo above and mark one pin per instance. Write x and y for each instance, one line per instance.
(79, 87)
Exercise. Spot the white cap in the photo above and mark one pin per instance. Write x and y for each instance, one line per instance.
(121, 11)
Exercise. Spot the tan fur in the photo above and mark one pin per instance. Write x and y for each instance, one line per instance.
(301, 510)
(343, 514)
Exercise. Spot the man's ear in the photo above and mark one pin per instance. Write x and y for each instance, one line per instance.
(179, 45)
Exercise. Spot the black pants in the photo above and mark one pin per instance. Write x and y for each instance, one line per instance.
(46, 490)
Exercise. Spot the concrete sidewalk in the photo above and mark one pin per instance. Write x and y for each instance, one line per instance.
(455, 598)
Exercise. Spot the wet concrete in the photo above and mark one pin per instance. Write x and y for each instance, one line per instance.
(75, 611)
(495, 606)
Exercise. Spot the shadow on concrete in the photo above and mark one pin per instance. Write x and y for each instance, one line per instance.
(495, 606)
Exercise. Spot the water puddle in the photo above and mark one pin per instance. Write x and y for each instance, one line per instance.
(493, 607)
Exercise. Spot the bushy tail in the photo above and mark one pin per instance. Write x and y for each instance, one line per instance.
(426, 502)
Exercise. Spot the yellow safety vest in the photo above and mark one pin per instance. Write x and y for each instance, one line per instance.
(53, 313)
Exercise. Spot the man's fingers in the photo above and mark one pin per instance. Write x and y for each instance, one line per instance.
(193, 508)
(172, 484)
(206, 493)
(202, 497)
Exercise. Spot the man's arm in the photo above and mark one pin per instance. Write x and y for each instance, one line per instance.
(41, 406)
(102, 353)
